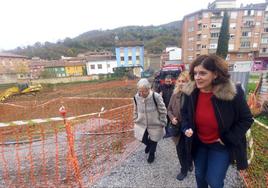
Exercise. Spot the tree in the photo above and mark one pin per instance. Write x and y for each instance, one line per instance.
(222, 49)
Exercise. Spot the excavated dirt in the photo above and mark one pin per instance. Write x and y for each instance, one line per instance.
(81, 98)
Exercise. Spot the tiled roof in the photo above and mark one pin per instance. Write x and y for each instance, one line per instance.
(56, 63)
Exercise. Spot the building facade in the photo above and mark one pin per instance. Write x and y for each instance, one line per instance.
(101, 67)
(248, 29)
(131, 55)
(171, 55)
(13, 68)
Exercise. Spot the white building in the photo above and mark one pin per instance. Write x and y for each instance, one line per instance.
(100, 67)
(174, 53)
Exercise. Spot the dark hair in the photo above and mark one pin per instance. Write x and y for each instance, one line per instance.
(214, 64)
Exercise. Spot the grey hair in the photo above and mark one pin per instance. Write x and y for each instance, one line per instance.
(143, 83)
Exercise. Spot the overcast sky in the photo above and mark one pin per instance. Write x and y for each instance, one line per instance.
(24, 22)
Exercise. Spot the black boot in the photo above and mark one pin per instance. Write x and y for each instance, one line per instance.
(191, 168)
(151, 158)
(181, 176)
(147, 149)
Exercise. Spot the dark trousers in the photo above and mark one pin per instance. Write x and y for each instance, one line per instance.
(211, 164)
(183, 152)
(148, 142)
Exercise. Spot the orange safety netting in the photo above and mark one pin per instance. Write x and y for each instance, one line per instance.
(74, 154)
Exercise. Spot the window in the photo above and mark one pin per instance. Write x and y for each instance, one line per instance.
(213, 46)
(246, 34)
(255, 45)
(190, 58)
(108, 65)
(239, 55)
(191, 29)
(264, 50)
(92, 66)
(249, 13)
(232, 25)
(265, 29)
(191, 38)
(205, 15)
(137, 58)
(205, 25)
(129, 58)
(99, 66)
(204, 46)
(258, 23)
(214, 35)
(204, 36)
(231, 47)
(248, 23)
(233, 15)
(245, 44)
(215, 25)
(190, 48)
(264, 40)
(191, 19)
(122, 58)
(199, 26)
(232, 36)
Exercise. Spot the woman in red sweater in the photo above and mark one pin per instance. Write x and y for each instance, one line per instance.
(216, 116)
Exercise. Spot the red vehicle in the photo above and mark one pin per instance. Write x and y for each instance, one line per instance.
(172, 70)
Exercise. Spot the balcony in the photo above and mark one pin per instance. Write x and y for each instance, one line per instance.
(245, 49)
(215, 28)
(248, 16)
(216, 16)
(212, 51)
(248, 24)
(263, 54)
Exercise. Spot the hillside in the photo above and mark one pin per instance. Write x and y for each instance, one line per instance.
(155, 39)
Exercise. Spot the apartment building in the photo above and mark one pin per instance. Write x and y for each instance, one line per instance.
(248, 28)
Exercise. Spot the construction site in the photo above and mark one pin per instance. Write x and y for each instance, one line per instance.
(43, 145)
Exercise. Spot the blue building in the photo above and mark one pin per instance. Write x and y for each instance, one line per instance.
(131, 55)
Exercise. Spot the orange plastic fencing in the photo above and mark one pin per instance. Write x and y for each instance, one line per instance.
(74, 154)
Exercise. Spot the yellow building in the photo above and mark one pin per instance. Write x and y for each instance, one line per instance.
(75, 70)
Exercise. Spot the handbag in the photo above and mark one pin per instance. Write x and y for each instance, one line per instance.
(172, 130)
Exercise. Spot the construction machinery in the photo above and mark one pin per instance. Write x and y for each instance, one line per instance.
(20, 89)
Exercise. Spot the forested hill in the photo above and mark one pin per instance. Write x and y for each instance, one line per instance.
(155, 39)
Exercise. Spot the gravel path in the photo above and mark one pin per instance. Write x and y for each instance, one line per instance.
(136, 172)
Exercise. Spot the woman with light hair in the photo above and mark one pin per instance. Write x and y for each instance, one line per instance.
(174, 115)
(149, 117)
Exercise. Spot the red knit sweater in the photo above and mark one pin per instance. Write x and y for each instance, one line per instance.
(205, 119)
